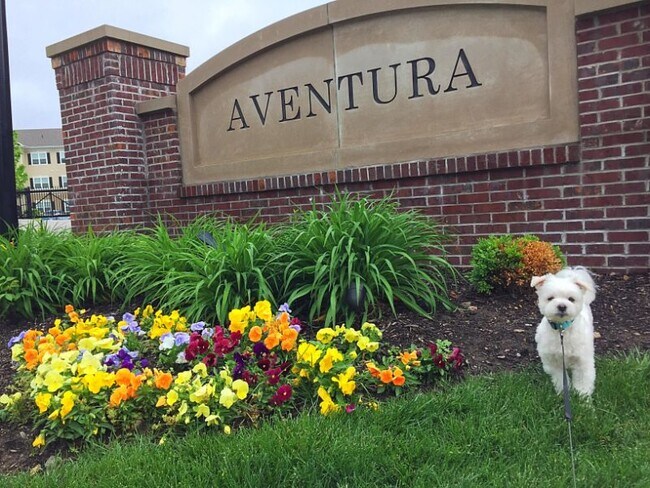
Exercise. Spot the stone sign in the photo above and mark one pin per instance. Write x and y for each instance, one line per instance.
(365, 82)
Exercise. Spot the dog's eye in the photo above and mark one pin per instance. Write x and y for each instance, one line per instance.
(550, 299)
(571, 299)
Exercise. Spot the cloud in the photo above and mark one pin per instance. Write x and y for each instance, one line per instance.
(205, 26)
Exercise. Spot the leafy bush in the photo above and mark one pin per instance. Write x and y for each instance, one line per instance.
(86, 377)
(508, 261)
(29, 264)
(344, 260)
(208, 270)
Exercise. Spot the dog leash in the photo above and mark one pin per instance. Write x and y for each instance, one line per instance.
(565, 392)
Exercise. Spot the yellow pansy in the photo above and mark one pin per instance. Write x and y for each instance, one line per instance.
(39, 441)
(352, 335)
(331, 356)
(67, 403)
(89, 363)
(162, 401)
(203, 394)
(225, 376)
(53, 380)
(241, 388)
(172, 397)
(17, 351)
(263, 310)
(202, 410)
(43, 401)
(96, 381)
(344, 380)
(327, 406)
(53, 415)
(87, 343)
(227, 398)
(183, 377)
(326, 335)
(201, 369)
(308, 353)
(59, 365)
(238, 319)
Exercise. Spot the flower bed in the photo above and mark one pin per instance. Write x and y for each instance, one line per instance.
(87, 376)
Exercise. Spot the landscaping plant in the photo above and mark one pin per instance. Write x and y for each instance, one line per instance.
(509, 262)
(346, 259)
(206, 271)
(88, 376)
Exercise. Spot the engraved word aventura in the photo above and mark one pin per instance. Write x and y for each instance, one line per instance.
(307, 100)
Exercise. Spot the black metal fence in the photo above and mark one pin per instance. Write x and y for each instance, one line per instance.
(34, 204)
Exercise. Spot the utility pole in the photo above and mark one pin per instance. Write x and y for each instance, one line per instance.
(8, 207)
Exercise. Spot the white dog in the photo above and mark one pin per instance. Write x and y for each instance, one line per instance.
(564, 300)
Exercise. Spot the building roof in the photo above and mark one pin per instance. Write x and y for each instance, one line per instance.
(33, 138)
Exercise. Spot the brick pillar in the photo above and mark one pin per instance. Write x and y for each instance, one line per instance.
(101, 75)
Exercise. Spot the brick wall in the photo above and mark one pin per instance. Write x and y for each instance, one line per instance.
(590, 198)
(99, 85)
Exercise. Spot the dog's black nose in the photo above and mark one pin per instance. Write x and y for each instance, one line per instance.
(561, 308)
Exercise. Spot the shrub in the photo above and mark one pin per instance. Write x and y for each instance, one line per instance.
(211, 268)
(30, 281)
(508, 261)
(342, 261)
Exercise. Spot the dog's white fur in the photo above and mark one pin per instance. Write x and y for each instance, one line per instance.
(564, 296)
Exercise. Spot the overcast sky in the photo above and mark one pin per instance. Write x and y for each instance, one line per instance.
(205, 26)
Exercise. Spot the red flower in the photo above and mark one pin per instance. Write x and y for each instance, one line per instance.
(273, 375)
(439, 361)
(433, 348)
(210, 360)
(282, 395)
(457, 358)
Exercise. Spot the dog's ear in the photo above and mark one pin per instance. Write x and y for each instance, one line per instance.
(584, 286)
(538, 281)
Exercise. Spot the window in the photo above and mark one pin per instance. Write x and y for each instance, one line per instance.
(39, 158)
(44, 207)
(63, 181)
(41, 183)
(60, 157)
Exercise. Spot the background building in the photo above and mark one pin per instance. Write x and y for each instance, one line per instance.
(44, 158)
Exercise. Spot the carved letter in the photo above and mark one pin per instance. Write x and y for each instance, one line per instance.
(240, 117)
(288, 103)
(375, 88)
(416, 76)
(351, 105)
(259, 110)
(468, 72)
(326, 105)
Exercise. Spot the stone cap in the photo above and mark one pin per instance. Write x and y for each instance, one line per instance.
(108, 31)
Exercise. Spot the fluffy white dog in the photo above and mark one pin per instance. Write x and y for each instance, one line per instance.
(564, 300)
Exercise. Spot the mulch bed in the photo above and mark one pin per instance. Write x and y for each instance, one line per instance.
(495, 332)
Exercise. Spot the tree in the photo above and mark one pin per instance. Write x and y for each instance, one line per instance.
(21, 172)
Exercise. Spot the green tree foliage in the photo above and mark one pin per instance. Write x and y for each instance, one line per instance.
(20, 171)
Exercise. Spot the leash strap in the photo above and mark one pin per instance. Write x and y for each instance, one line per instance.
(565, 384)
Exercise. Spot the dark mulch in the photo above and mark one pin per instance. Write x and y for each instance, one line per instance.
(496, 333)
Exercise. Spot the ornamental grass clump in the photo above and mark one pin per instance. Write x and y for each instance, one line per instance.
(341, 262)
(89, 376)
(206, 277)
(509, 262)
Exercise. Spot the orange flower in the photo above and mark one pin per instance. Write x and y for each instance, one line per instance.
(255, 334)
(119, 395)
(69, 308)
(123, 377)
(54, 331)
(272, 340)
(60, 340)
(289, 337)
(374, 370)
(31, 355)
(408, 357)
(163, 380)
(386, 376)
(398, 377)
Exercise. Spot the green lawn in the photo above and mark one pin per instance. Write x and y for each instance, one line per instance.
(489, 431)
